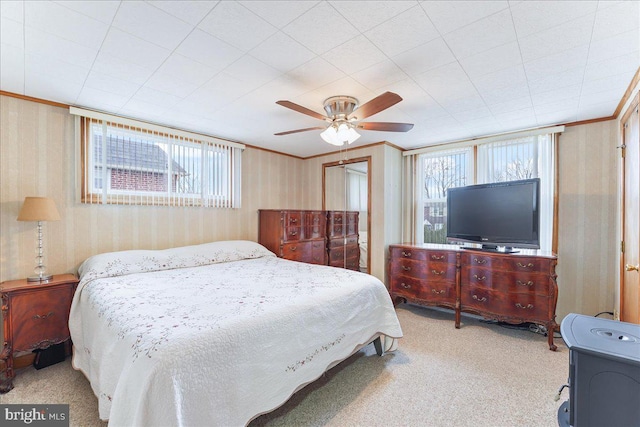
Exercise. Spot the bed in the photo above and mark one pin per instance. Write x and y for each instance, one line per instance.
(218, 333)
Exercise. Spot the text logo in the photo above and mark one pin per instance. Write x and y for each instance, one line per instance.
(34, 415)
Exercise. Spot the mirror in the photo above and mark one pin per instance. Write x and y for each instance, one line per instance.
(346, 186)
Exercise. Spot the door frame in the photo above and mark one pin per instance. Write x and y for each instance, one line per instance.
(346, 162)
(633, 106)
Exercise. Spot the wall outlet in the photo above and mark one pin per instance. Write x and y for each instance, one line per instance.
(616, 314)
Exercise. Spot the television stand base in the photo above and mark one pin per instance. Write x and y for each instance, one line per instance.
(494, 249)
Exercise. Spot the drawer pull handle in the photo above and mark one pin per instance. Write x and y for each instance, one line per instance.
(404, 285)
(441, 291)
(521, 283)
(407, 254)
(293, 248)
(529, 306)
(293, 233)
(406, 268)
(437, 273)
(437, 257)
(479, 279)
(480, 261)
(475, 297)
(44, 316)
(521, 265)
(293, 220)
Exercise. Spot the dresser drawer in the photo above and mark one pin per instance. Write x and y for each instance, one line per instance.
(408, 287)
(297, 251)
(292, 234)
(524, 307)
(345, 255)
(40, 318)
(408, 267)
(292, 218)
(315, 224)
(405, 252)
(508, 263)
(341, 241)
(440, 272)
(505, 281)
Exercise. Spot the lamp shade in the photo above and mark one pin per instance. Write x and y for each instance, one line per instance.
(38, 209)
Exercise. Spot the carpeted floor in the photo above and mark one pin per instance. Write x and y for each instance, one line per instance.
(479, 375)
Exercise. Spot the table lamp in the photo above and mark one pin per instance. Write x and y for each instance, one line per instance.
(39, 209)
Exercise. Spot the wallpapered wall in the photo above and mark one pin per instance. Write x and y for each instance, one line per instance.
(37, 158)
(588, 236)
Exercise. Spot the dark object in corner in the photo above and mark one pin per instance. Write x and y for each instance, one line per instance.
(49, 356)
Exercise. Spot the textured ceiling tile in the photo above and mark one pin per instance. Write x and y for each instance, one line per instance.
(315, 73)
(208, 50)
(557, 62)
(354, 55)
(12, 10)
(108, 83)
(492, 60)
(12, 66)
(41, 43)
(103, 10)
(403, 32)
(557, 39)
(191, 12)
(186, 69)
(63, 22)
(413, 60)
(321, 29)
(122, 69)
(364, 15)
(151, 24)
(236, 25)
(282, 52)
(278, 13)
(448, 16)
(133, 49)
(380, 75)
(531, 17)
(11, 33)
(482, 35)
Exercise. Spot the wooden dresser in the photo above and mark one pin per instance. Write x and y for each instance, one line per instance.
(513, 288)
(298, 235)
(342, 239)
(316, 237)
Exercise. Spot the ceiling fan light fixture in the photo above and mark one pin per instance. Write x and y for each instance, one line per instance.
(353, 135)
(339, 134)
(330, 135)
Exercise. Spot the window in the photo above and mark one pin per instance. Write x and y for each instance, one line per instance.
(440, 171)
(528, 156)
(123, 164)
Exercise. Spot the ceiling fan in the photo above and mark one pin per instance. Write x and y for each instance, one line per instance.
(344, 115)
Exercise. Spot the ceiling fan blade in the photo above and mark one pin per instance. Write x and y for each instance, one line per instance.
(298, 130)
(377, 104)
(386, 126)
(301, 109)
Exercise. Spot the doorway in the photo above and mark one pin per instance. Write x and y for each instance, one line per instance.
(630, 256)
(346, 186)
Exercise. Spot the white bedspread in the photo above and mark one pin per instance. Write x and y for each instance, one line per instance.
(216, 334)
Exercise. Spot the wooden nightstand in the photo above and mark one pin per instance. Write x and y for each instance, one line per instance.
(35, 315)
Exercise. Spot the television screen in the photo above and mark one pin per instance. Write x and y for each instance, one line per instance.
(497, 214)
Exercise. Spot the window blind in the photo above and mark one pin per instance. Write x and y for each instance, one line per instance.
(127, 164)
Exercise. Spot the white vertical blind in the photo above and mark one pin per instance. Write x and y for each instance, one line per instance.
(524, 158)
(129, 165)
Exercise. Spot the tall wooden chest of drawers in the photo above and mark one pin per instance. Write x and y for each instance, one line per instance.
(316, 237)
(514, 288)
(342, 239)
(298, 235)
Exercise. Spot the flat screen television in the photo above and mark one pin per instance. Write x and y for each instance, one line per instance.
(500, 215)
